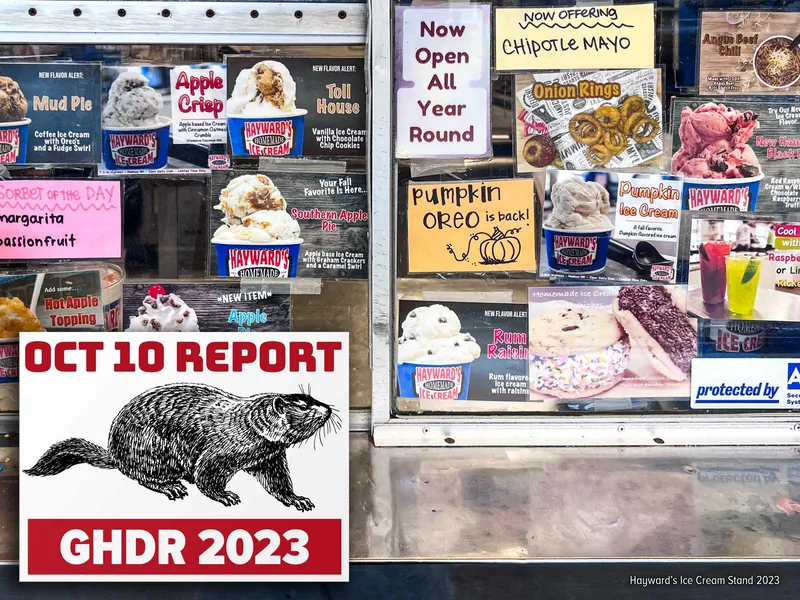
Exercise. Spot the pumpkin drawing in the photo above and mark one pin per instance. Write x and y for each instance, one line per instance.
(497, 248)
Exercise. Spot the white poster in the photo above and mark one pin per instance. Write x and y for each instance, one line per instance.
(192, 457)
(198, 105)
(753, 383)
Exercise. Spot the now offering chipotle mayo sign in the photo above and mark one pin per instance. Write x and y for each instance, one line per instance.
(443, 82)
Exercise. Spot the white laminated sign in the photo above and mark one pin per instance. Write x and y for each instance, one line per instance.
(192, 457)
(443, 82)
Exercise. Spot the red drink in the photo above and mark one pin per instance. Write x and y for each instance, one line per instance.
(712, 271)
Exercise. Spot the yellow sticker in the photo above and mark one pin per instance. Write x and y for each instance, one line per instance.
(588, 37)
(472, 226)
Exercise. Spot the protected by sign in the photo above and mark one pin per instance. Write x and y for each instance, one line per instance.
(199, 457)
(755, 383)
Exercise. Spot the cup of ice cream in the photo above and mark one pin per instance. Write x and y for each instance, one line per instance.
(163, 312)
(257, 238)
(112, 279)
(135, 135)
(13, 122)
(720, 169)
(434, 357)
(578, 231)
(263, 119)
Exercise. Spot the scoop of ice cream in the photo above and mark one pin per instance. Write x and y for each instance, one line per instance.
(166, 313)
(579, 204)
(265, 90)
(247, 194)
(714, 143)
(13, 105)
(132, 102)
(432, 335)
(262, 226)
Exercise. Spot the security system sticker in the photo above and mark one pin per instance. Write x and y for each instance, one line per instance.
(757, 383)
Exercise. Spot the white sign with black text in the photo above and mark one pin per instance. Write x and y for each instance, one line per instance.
(754, 383)
(192, 457)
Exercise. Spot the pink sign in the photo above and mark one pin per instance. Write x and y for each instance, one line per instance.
(48, 219)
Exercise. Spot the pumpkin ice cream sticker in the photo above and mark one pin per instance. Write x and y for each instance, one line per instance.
(473, 226)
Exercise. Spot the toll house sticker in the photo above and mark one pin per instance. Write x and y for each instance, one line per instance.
(241, 475)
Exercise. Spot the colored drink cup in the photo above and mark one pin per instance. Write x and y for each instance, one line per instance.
(742, 273)
(712, 271)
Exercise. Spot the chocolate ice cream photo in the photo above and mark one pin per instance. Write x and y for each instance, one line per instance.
(49, 113)
(620, 342)
(135, 133)
(610, 226)
(263, 119)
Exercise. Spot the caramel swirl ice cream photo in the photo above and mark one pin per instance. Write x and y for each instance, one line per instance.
(263, 119)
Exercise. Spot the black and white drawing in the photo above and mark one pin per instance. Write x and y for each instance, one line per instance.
(203, 435)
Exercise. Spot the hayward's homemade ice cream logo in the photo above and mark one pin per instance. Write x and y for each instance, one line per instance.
(9, 146)
(738, 336)
(268, 138)
(722, 200)
(574, 250)
(9, 361)
(133, 149)
(662, 272)
(438, 383)
(259, 262)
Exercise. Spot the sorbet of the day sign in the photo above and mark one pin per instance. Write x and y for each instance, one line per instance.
(443, 88)
(49, 219)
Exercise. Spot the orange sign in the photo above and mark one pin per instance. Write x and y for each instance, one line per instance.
(472, 226)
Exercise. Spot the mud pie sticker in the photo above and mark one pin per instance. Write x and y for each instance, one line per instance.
(133, 149)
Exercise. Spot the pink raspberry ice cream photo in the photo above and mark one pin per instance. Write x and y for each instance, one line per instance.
(714, 143)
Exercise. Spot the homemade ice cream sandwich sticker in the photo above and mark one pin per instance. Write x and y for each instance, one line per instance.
(609, 342)
(581, 241)
(589, 119)
(296, 106)
(187, 307)
(278, 226)
(744, 268)
(751, 55)
(442, 81)
(581, 37)
(462, 351)
(60, 219)
(49, 113)
(737, 155)
(473, 226)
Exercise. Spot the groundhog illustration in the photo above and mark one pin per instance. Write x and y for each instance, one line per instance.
(204, 436)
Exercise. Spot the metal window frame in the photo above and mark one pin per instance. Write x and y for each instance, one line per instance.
(480, 430)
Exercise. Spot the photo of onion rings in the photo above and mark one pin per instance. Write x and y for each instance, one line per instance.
(609, 129)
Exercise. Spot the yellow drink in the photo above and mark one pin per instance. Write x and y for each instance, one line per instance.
(743, 273)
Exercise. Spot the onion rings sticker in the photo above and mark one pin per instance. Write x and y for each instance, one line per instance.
(182, 458)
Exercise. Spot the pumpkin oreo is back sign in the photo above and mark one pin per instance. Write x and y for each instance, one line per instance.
(471, 226)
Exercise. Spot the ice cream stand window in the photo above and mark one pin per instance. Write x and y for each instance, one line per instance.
(591, 340)
(153, 86)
